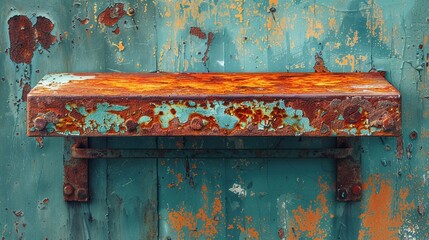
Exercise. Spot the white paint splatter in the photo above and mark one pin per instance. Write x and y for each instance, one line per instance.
(237, 189)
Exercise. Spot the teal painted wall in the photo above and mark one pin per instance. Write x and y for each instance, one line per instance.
(165, 199)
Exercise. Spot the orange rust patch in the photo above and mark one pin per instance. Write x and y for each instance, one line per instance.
(308, 221)
(380, 221)
(208, 220)
(181, 219)
(179, 178)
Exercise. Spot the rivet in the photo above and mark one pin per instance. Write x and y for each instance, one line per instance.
(68, 189)
(40, 123)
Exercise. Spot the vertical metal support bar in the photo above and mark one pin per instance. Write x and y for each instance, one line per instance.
(349, 176)
(75, 186)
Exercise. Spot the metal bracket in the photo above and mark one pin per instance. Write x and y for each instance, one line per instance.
(77, 154)
(349, 177)
(75, 186)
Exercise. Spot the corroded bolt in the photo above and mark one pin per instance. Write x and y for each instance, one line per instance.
(82, 193)
(197, 123)
(356, 189)
(68, 189)
(40, 123)
(342, 193)
(413, 135)
(352, 114)
(131, 125)
(131, 11)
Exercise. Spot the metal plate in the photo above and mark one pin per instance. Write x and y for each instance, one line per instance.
(229, 104)
(76, 182)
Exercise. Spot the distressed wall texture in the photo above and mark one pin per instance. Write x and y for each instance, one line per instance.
(214, 198)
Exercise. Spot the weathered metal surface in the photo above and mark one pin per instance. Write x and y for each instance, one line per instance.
(191, 198)
(233, 104)
(76, 182)
(91, 153)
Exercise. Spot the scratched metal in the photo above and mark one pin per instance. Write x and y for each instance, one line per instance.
(234, 104)
(185, 198)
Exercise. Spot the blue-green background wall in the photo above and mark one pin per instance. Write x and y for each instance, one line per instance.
(165, 199)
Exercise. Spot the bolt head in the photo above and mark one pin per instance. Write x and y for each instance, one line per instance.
(413, 135)
(342, 193)
(68, 189)
(352, 114)
(197, 123)
(82, 194)
(131, 125)
(40, 123)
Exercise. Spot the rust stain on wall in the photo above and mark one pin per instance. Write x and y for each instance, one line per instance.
(381, 219)
(111, 15)
(24, 37)
(320, 64)
(206, 218)
(247, 231)
(309, 222)
(209, 42)
(196, 31)
(43, 29)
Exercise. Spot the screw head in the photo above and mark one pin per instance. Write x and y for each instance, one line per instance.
(68, 189)
(40, 123)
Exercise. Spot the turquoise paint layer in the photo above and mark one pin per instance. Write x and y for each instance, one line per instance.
(103, 118)
(219, 111)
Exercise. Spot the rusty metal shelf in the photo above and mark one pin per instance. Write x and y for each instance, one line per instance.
(82, 105)
(214, 104)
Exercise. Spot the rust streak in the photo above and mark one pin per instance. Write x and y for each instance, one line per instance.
(206, 53)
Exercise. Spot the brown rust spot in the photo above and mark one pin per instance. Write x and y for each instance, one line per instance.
(111, 15)
(116, 31)
(84, 21)
(320, 64)
(196, 31)
(44, 28)
(23, 37)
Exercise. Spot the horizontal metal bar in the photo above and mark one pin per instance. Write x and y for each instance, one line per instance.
(91, 153)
